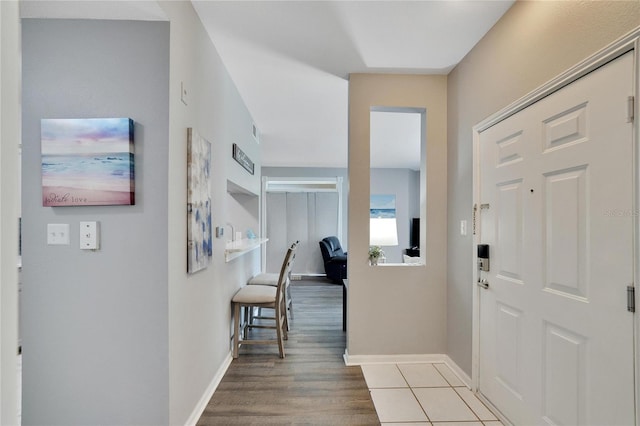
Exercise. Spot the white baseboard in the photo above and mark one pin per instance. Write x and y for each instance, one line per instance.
(405, 359)
(464, 377)
(208, 393)
(392, 359)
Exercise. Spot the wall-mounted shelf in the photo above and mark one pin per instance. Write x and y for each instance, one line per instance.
(238, 248)
(234, 188)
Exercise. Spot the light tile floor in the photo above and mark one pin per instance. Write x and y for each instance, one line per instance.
(424, 394)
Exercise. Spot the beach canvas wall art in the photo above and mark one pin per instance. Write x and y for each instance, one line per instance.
(382, 206)
(87, 162)
(199, 236)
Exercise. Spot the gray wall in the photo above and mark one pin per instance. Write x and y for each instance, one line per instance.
(10, 201)
(199, 304)
(128, 336)
(533, 42)
(95, 330)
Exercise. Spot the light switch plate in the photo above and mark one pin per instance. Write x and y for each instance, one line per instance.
(58, 234)
(89, 236)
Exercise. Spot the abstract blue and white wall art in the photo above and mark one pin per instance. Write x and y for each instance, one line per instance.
(87, 162)
(199, 238)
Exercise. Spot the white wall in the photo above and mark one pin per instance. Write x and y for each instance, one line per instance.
(384, 300)
(533, 42)
(9, 205)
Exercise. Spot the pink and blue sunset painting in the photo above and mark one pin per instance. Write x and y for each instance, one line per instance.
(87, 162)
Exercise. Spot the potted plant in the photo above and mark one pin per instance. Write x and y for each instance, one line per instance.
(375, 252)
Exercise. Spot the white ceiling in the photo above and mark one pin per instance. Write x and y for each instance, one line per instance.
(395, 139)
(291, 59)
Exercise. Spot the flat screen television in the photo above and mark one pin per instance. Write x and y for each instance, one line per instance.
(415, 232)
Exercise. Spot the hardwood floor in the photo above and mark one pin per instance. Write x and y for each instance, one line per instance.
(310, 386)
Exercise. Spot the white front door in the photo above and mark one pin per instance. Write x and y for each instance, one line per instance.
(556, 184)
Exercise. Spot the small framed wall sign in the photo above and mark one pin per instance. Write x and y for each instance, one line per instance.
(243, 159)
(87, 162)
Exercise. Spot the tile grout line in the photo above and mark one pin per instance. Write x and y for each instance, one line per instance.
(449, 386)
(482, 421)
(445, 379)
(473, 394)
(454, 390)
(414, 394)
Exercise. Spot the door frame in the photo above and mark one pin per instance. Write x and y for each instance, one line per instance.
(298, 184)
(627, 43)
(10, 135)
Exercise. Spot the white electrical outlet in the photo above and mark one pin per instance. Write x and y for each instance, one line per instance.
(89, 236)
(463, 228)
(58, 234)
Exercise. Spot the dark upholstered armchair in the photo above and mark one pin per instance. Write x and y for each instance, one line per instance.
(335, 259)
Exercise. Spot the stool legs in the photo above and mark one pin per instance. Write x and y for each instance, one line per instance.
(236, 329)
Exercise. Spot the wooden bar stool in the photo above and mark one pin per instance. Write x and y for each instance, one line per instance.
(263, 296)
(271, 279)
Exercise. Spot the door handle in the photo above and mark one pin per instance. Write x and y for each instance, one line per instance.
(483, 283)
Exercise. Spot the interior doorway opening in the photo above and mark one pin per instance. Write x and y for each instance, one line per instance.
(304, 210)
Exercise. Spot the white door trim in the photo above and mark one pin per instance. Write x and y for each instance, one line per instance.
(629, 42)
(298, 184)
(10, 135)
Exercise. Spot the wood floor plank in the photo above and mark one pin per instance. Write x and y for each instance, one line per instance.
(310, 386)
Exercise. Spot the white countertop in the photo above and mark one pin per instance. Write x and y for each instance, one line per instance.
(237, 248)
